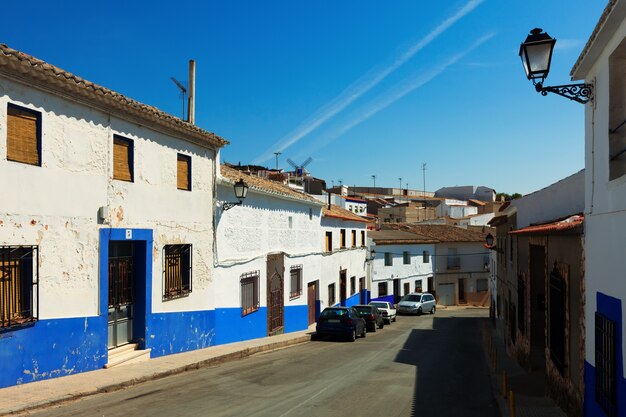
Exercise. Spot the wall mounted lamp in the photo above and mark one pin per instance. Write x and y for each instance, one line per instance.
(536, 55)
(241, 191)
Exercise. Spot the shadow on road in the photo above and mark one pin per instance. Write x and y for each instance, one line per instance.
(451, 375)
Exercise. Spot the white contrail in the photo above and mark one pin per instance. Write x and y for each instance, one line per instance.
(394, 95)
(361, 86)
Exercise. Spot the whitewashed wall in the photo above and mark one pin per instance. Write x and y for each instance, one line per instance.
(417, 269)
(55, 206)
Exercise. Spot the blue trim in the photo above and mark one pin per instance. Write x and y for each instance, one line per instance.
(611, 308)
(296, 318)
(169, 333)
(353, 300)
(231, 326)
(388, 298)
(52, 348)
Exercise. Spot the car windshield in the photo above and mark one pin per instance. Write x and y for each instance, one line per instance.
(333, 313)
(411, 297)
(380, 305)
(361, 310)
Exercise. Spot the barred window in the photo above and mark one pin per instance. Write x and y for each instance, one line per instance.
(606, 364)
(19, 278)
(249, 292)
(407, 288)
(354, 238)
(388, 259)
(418, 285)
(362, 237)
(331, 295)
(382, 289)
(329, 241)
(176, 271)
(425, 257)
(23, 135)
(352, 285)
(342, 235)
(296, 281)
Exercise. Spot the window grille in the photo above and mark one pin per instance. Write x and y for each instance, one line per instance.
(425, 257)
(388, 259)
(296, 281)
(19, 285)
(329, 241)
(354, 238)
(382, 289)
(177, 264)
(342, 234)
(362, 238)
(606, 365)
(249, 292)
(352, 285)
(407, 288)
(418, 285)
(23, 135)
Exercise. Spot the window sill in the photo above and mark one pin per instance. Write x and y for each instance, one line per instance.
(295, 296)
(248, 312)
(176, 296)
(22, 324)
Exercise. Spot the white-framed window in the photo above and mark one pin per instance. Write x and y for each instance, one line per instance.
(295, 273)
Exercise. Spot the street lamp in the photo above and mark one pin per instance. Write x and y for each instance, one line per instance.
(241, 192)
(536, 56)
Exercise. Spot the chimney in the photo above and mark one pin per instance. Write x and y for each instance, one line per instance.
(191, 113)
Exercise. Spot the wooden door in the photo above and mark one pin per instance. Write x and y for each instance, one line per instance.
(275, 293)
(312, 301)
(342, 287)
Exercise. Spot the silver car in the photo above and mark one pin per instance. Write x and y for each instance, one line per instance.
(417, 303)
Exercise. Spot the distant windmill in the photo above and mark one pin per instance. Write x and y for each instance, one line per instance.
(300, 169)
(183, 92)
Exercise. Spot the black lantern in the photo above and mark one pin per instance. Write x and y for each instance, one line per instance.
(536, 55)
(241, 192)
(489, 239)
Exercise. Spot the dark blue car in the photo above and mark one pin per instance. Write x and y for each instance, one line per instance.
(340, 322)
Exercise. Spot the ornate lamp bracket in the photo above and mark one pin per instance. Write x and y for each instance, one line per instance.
(582, 93)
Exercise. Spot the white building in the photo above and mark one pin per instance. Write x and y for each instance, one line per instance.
(268, 259)
(343, 267)
(455, 209)
(602, 64)
(402, 262)
(106, 233)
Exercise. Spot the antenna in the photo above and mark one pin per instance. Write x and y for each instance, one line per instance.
(424, 176)
(374, 178)
(277, 153)
(183, 92)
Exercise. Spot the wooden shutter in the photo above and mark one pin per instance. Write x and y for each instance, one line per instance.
(22, 136)
(122, 159)
(183, 165)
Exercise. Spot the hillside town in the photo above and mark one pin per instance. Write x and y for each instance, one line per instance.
(127, 241)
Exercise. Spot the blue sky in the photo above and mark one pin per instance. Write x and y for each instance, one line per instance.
(363, 87)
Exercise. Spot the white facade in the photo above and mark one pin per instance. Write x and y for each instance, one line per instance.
(602, 64)
(455, 209)
(477, 220)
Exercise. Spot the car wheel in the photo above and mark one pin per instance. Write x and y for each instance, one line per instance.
(433, 310)
(364, 332)
(381, 325)
(419, 311)
(353, 335)
(374, 328)
(394, 318)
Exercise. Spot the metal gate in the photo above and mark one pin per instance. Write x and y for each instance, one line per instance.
(446, 294)
(312, 301)
(275, 294)
(121, 293)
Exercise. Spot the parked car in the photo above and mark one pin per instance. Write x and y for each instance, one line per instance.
(372, 316)
(417, 303)
(386, 308)
(340, 322)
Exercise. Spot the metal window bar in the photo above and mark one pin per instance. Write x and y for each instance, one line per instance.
(606, 364)
(177, 269)
(331, 294)
(19, 285)
(249, 292)
(296, 281)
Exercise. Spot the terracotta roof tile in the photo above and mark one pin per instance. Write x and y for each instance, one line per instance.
(266, 186)
(441, 232)
(398, 237)
(571, 223)
(35, 72)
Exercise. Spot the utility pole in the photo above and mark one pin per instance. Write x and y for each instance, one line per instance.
(374, 178)
(400, 179)
(424, 176)
(277, 153)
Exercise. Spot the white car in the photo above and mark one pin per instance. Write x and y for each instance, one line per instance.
(387, 310)
(417, 303)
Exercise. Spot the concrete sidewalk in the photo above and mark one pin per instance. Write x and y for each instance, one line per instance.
(40, 394)
(529, 388)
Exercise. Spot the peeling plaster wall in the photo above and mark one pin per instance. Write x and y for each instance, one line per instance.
(55, 206)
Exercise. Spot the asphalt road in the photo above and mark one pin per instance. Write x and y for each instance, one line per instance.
(418, 366)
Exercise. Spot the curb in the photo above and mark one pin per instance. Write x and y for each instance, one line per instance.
(217, 360)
